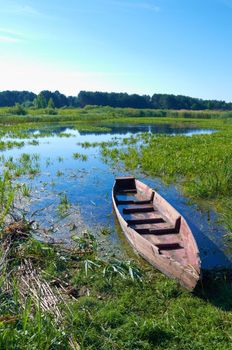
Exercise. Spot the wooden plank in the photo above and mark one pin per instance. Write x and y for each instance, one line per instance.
(125, 191)
(132, 201)
(139, 209)
(163, 231)
(125, 178)
(146, 201)
(169, 246)
(144, 220)
(156, 232)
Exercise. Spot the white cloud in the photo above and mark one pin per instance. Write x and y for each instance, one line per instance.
(10, 36)
(27, 10)
(8, 39)
(14, 8)
(9, 31)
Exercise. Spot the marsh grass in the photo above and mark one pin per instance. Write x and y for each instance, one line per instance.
(80, 156)
(7, 195)
(64, 205)
(200, 164)
(25, 190)
(104, 115)
(59, 173)
(26, 164)
(33, 142)
(98, 144)
(4, 145)
(226, 209)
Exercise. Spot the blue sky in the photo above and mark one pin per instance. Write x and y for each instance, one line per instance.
(151, 46)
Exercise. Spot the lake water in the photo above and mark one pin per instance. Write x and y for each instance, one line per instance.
(88, 186)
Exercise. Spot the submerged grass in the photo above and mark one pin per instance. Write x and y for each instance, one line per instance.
(64, 205)
(80, 156)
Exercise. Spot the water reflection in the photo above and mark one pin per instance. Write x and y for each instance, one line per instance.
(168, 129)
(123, 129)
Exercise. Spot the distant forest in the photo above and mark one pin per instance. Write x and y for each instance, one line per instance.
(48, 99)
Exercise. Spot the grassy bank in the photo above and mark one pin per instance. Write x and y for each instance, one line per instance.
(99, 114)
(55, 298)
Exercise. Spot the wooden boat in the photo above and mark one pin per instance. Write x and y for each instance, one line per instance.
(156, 230)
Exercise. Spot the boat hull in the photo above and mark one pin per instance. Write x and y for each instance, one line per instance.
(186, 274)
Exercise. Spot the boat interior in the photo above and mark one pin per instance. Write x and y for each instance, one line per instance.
(141, 213)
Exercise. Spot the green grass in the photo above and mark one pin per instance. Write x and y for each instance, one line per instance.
(107, 305)
(10, 144)
(102, 113)
(201, 164)
(64, 204)
(80, 156)
(7, 195)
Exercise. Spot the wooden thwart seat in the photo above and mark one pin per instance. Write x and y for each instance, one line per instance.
(169, 246)
(127, 191)
(139, 209)
(156, 231)
(145, 221)
(161, 230)
(133, 201)
(166, 243)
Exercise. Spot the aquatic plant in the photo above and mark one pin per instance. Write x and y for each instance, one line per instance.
(11, 144)
(7, 195)
(33, 142)
(80, 156)
(85, 244)
(226, 210)
(59, 173)
(25, 190)
(64, 204)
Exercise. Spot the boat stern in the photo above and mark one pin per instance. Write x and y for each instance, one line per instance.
(125, 183)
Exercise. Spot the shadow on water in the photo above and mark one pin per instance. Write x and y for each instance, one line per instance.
(216, 288)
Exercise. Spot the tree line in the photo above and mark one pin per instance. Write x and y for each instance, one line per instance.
(51, 100)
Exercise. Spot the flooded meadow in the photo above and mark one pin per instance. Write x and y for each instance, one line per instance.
(70, 191)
